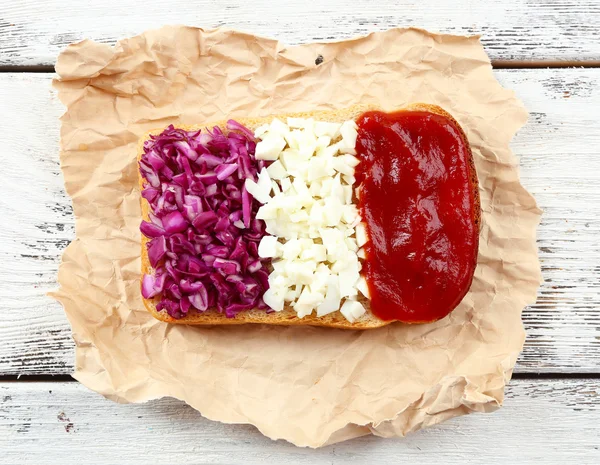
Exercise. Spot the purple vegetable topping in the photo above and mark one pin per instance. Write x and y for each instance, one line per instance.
(202, 227)
(157, 248)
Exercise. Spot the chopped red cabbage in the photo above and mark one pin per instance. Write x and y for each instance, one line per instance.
(203, 231)
(174, 222)
(151, 230)
(157, 248)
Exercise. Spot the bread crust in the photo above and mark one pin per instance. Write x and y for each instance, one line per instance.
(287, 316)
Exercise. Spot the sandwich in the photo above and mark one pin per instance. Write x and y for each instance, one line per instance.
(350, 219)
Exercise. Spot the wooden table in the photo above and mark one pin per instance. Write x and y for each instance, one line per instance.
(547, 51)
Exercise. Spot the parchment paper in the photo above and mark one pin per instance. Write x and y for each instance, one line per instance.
(309, 386)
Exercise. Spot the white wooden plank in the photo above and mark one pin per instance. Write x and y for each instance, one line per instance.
(550, 422)
(37, 225)
(559, 150)
(560, 158)
(32, 32)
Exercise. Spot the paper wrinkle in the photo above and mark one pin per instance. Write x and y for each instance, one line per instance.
(309, 386)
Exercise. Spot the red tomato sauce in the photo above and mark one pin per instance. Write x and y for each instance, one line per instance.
(418, 204)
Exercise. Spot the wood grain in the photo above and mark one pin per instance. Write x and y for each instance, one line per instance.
(560, 159)
(32, 32)
(64, 422)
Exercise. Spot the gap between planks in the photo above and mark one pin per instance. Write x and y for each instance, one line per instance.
(516, 376)
(496, 64)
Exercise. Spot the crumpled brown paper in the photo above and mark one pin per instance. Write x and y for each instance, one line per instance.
(310, 386)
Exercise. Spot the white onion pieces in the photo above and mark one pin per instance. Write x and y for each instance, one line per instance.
(306, 194)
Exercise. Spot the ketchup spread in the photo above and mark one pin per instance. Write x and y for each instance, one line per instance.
(417, 200)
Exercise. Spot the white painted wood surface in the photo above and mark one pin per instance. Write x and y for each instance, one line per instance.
(32, 32)
(545, 420)
(559, 165)
(551, 422)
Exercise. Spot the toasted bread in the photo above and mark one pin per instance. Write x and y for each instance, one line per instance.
(288, 315)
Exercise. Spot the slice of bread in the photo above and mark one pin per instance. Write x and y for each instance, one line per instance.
(288, 315)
